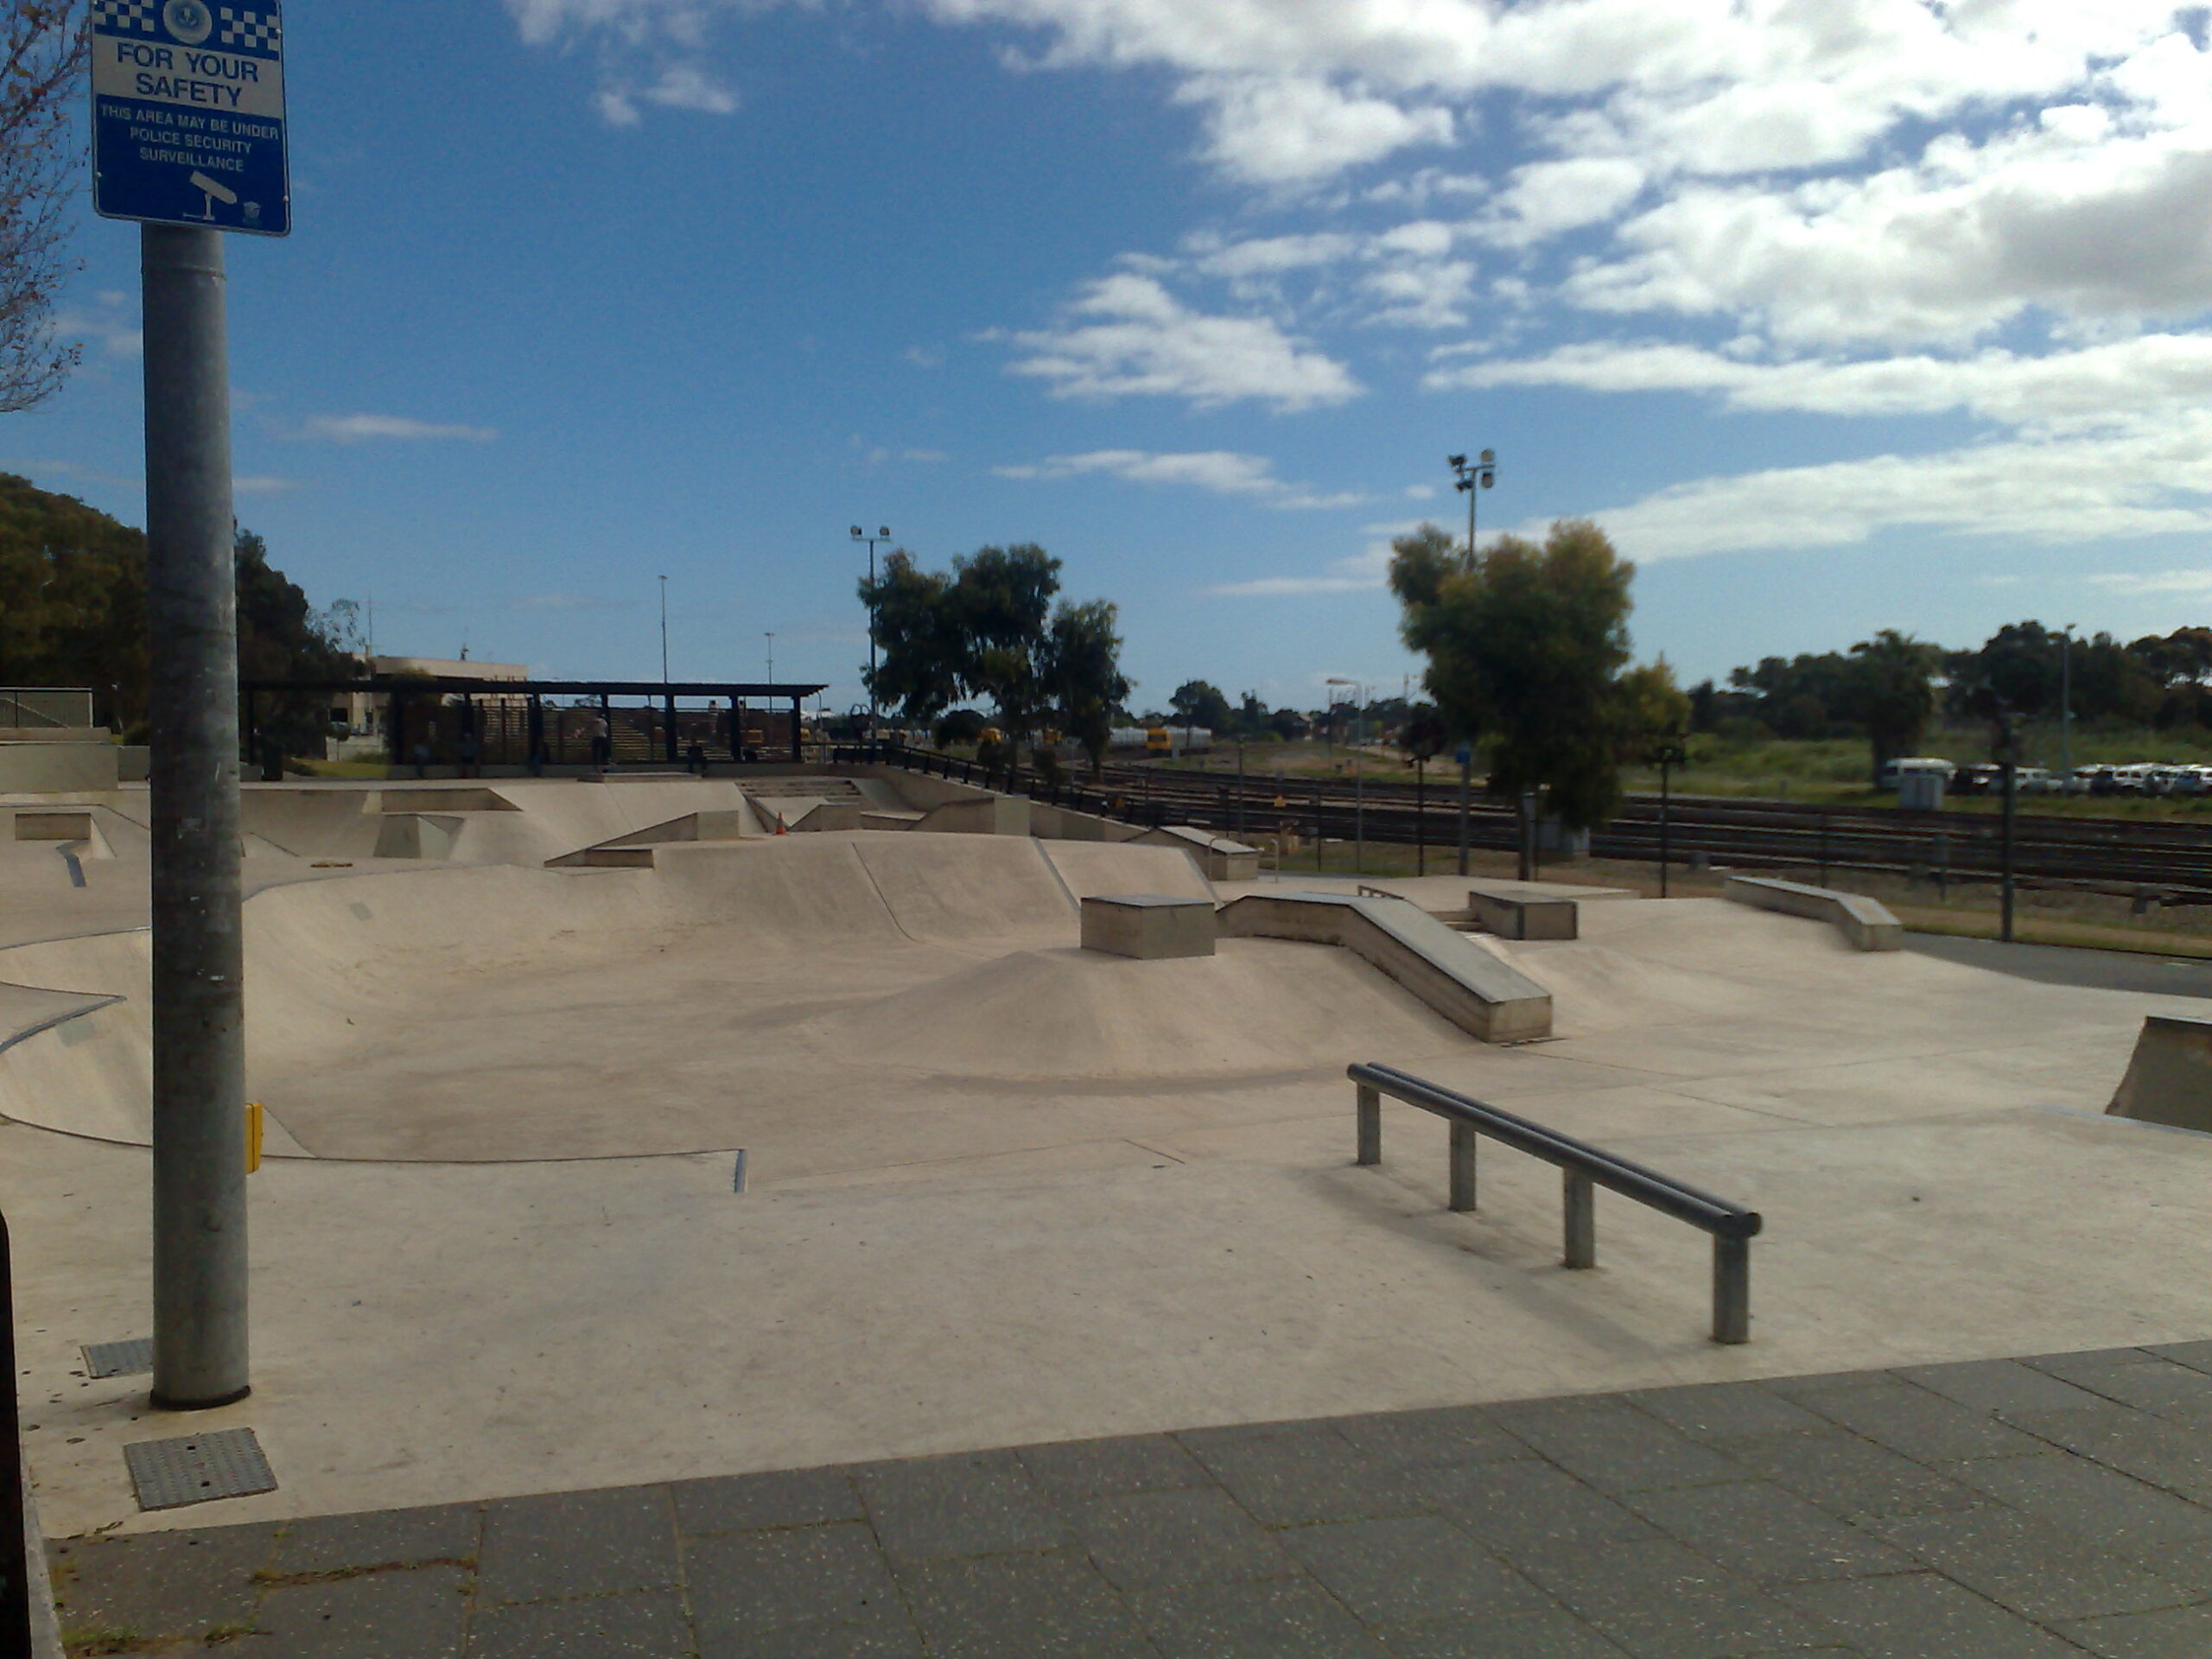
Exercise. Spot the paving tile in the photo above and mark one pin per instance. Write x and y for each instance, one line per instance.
(576, 1544)
(1716, 1413)
(1661, 1601)
(2087, 1498)
(1618, 1448)
(1410, 1567)
(2150, 1384)
(1529, 1506)
(1150, 1541)
(1997, 1385)
(644, 1625)
(418, 1613)
(1303, 1475)
(1850, 1476)
(2166, 1454)
(2089, 1358)
(2030, 1566)
(1768, 1534)
(2196, 1354)
(883, 1638)
(2174, 1633)
(1911, 1420)
(1556, 1634)
(975, 1503)
(742, 1583)
(1134, 1462)
(1048, 1606)
(1421, 1440)
(794, 1498)
(160, 1584)
(1271, 1619)
(1920, 1616)
(338, 1544)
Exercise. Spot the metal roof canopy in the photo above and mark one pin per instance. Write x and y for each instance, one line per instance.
(445, 682)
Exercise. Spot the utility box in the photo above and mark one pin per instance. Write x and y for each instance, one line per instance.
(1149, 926)
(1920, 791)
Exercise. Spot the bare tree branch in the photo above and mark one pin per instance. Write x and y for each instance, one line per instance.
(45, 49)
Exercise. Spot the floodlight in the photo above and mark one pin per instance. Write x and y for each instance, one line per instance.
(859, 535)
(884, 533)
(1489, 456)
(1455, 461)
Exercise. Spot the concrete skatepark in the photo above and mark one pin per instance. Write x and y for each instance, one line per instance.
(1001, 1189)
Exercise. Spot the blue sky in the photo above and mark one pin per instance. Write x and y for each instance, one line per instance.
(1868, 313)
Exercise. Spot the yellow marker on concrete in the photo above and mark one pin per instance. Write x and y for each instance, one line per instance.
(252, 1136)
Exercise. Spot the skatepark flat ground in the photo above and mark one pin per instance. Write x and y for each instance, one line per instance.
(1005, 1191)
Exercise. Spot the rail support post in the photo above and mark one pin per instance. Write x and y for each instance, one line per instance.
(1370, 1125)
(1732, 1289)
(1581, 1219)
(1464, 1137)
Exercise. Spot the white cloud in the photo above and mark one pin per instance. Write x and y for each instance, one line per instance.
(1365, 571)
(1220, 471)
(1268, 131)
(2131, 585)
(680, 86)
(363, 429)
(1144, 342)
(2122, 381)
(2153, 479)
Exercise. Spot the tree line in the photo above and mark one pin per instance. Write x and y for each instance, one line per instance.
(73, 613)
(1890, 688)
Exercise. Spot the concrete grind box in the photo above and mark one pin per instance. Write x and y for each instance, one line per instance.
(1148, 925)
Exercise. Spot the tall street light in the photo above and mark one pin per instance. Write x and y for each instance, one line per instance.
(2066, 703)
(1482, 472)
(1358, 776)
(882, 534)
(664, 630)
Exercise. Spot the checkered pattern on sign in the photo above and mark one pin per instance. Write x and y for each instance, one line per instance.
(252, 31)
(124, 16)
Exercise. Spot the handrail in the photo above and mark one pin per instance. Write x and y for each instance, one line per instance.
(15, 1552)
(1583, 1168)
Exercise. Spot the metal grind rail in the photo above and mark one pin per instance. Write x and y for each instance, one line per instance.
(15, 1548)
(1583, 1169)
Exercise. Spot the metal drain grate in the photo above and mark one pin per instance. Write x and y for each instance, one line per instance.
(198, 1468)
(125, 1358)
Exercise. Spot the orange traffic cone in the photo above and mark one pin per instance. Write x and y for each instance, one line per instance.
(780, 830)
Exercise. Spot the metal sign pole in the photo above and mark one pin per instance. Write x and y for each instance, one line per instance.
(199, 1059)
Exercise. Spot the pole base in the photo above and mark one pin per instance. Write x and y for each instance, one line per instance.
(163, 1403)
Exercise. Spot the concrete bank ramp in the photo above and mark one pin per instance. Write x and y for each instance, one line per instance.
(1479, 992)
(2169, 1075)
(1866, 922)
(1255, 1008)
(1092, 869)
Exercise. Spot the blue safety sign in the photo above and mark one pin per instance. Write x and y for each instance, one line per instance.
(188, 114)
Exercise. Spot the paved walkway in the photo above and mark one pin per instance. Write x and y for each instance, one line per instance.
(2066, 964)
(1999, 1509)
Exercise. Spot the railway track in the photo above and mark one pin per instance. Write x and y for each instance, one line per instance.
(2164, 863)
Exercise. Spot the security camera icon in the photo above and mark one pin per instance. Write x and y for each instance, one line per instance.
(214, 190)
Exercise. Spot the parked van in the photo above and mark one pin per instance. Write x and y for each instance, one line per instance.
(1893, 770)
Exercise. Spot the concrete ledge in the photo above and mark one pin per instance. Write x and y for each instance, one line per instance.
(1459, 979)
(1513, 918)
(1149, 926)
(2169, 1075)
(991, 815)
(53, 826)
(1867, 923)
(40, 768)
(1222, 859)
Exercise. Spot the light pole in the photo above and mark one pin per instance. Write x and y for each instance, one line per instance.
(664, 630)
(1483, 473)
(771, 637)
(882, 534)
(1358, 776)
(2066, 703)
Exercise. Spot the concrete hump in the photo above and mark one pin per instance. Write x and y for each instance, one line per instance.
(1867, 923)
(1487, 998)
(2169, 1075)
